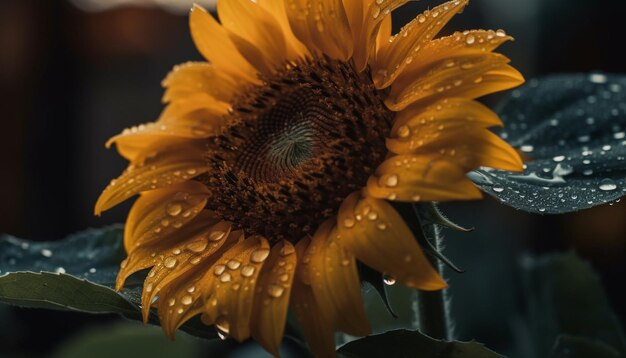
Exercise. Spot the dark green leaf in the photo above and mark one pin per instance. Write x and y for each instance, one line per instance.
(565, 297)
(572, 129)
(76, 274)
(403, 343)
(578, 347)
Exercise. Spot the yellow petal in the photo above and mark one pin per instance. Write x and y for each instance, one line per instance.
(191, 78)
(149, 254)
(295, 48)
(375, 14)
(182, 296)
(383, 36)
(215, 45)
(272, 297)
(426, 177)
(419, 126)
(156, 214)
(356, 12)
(335, 281)
(376, 234)
(185, 256)
(164, 165)
(405, 47)
(321, 25)
(248, 20)
(236, 275)
(317, 328)
(470, 76)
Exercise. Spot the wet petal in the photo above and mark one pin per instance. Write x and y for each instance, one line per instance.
(419, 126)
(149, 254)
(248, 20)
(335, 281)
(375, 14)
(198, 77)
(404, 47)
(381, 240)
(427, 177)
(215, 45)
(159, 213)
(295, 48)
(317, 328)
(383, 37)
(236, 275)
(182, 289)
(162, 166)
(185, 256)
(272, 297)
(469, 76)
(321, 25)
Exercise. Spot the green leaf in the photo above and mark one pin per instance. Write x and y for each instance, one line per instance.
(75, 274)
(566, 297)
(572, 130)
(403, 343)
(579, 347)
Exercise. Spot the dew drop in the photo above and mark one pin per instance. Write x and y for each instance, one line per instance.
(470, 39)
(259, 255)
(59, 270)
(404, 131)
(287, 250)
(527, 148)
(170, 262)
(348, 222)
(222, 327)
(389, 280)
(186, 300)
(498, 189)
(216, 235)
(247, 271)
(607, 185)
(174, 209)
(197, 246)
(233, 264)
(275, 290)
(225, 277)
(48, 253)
(219, 269)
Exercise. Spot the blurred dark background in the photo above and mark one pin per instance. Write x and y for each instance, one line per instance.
(72, 74)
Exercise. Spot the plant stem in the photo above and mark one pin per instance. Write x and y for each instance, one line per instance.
(431, 305)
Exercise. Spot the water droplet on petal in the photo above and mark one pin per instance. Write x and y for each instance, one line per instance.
(174, 209)
(389, 280)
(247, 271)
(170, 262)
(275, 290)
(259, 255)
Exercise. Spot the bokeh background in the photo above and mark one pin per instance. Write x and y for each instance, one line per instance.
(74, 73)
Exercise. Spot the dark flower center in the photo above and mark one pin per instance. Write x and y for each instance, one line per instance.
(298, 145)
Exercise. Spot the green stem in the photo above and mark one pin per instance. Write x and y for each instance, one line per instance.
(431, 305)
(430, 309)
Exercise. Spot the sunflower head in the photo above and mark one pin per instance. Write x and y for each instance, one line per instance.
(269, 173)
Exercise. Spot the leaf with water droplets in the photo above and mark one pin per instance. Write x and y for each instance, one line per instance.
(75, 274)
(572, 131)
(404, 343)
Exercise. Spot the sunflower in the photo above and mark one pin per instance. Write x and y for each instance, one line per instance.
(270, 172)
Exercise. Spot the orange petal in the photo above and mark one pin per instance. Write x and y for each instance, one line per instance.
(149, 254)
(250, 21)
(405, 47)
(190, 254)
(419, 126)
(426, 177)
(272, 297)
(215, 45)
(470, 77)
(198, 77)
(375, 14)
(455, 46)
(317, 328)
(236, 275)
(184, 297)
(295, 48)
(356, 12)
(321, 25)
(383, 37)
(157, 214)
(335, 281)
(161, 166)
(376, 234)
